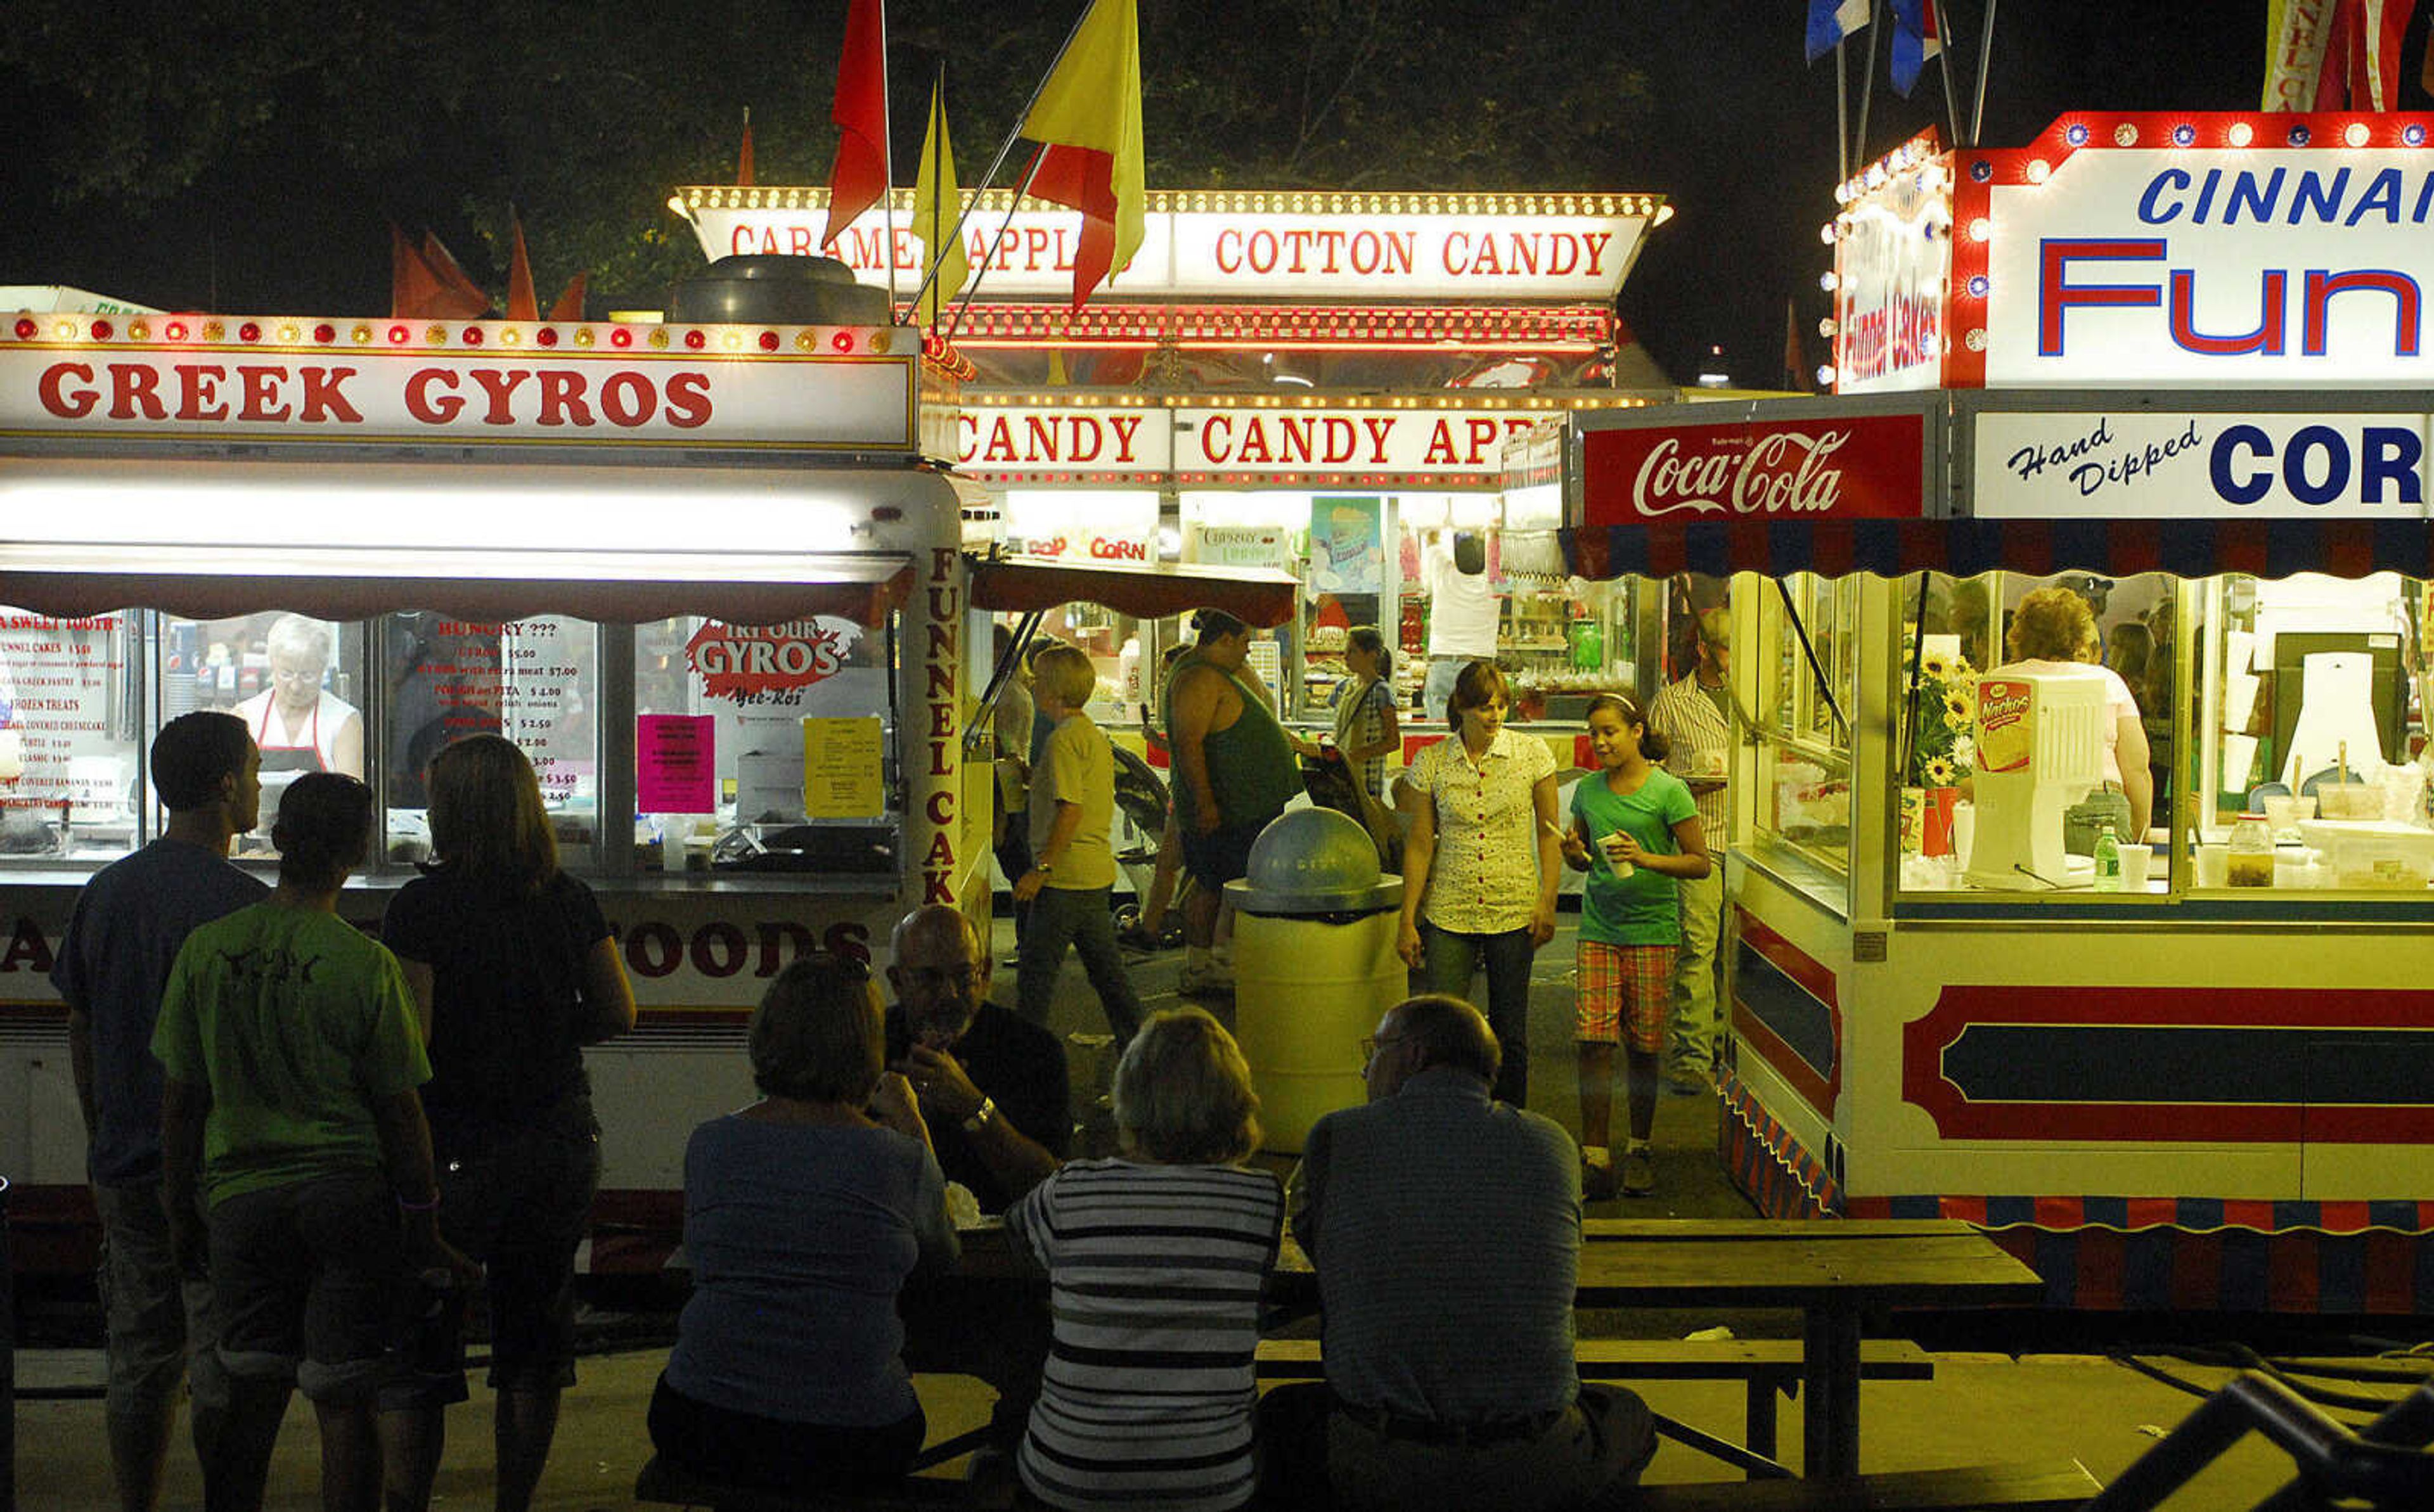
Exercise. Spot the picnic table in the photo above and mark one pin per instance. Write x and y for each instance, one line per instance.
(1834, 1271)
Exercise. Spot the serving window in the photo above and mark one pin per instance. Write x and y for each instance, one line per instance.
(534, 681)
(768, 748)
(72, 735)
(1803, 706)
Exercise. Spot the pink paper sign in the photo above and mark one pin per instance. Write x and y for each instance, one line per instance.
(676, 767)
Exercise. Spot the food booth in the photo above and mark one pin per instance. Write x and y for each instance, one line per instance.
(2173, 365)
(1314, 382)
(714, 579)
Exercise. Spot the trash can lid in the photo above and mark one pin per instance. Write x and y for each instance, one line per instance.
(1314, 861)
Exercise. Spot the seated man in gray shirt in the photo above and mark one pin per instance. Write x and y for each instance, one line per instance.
(1445, 1230)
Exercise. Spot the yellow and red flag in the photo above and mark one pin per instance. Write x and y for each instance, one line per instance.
(935, 202)
(570, 304)
(859, 178)
(1088, 121)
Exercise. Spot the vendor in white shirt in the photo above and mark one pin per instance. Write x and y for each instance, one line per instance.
(299, 725)
(1461, 612)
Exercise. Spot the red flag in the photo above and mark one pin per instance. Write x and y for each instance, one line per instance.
(859, 177)
(1088, 115)
(445, 267)
(744, 155)
(417, 290)
(1792, 376)
(570, 304)
(523, 304)
(2361, 69)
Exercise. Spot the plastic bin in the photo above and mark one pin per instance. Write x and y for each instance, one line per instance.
(1315, 966)
(2372, 853)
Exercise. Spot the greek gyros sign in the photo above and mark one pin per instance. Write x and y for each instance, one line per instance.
(2226, 466)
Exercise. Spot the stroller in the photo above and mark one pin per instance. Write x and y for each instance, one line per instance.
(1331, 783)
(1140, 825)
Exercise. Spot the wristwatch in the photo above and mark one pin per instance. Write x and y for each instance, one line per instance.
(981, 1115)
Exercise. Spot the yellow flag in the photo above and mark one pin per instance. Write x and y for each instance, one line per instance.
(936, 201)
(1088, 120)
(2295, 33)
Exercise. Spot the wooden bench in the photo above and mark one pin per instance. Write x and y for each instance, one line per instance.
(664, 1484)
(1766, 1367)
(2053, 1485)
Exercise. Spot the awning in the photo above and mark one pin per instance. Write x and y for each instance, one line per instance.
(2040, 548)
(1259, 596)
(356, 582)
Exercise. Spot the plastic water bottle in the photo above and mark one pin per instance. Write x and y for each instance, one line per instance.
(2108, 861)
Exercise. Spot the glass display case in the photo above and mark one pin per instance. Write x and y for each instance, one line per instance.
(1808, 694)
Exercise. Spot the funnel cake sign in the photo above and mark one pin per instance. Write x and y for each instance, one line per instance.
(1864, 467)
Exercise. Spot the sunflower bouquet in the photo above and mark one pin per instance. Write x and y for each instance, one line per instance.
(1940, 752)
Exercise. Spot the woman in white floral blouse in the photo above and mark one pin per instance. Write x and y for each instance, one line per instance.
(1481, 860)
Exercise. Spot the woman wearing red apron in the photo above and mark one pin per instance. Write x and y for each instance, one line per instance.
(299, 727)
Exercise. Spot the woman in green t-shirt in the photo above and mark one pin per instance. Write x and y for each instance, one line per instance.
(1635, 831)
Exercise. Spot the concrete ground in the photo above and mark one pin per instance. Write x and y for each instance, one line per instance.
(1994, 1404)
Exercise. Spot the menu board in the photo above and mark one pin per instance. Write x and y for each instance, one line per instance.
(61, 685)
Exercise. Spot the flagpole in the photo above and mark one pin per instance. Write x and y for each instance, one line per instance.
(988, 250)
(1944, 56)
(972, 201)
(1985, 50)
(1868, 80)
(1842, 114)
(888, 154)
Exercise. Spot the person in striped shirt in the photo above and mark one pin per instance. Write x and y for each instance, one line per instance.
(1156, 1259)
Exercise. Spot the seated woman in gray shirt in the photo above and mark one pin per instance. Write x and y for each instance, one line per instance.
(803, 1216)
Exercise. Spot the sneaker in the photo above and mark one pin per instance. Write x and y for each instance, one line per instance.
(1597, 1179)
(1203, 982)
(1638, 1173)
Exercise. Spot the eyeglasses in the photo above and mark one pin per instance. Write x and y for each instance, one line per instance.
(939, 978)
(1371, 1044)
(296, 674)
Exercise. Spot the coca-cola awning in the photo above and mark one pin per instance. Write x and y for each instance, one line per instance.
(2112, 484)
(1258, 596)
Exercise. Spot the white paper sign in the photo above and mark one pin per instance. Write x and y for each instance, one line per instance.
(2062, 466)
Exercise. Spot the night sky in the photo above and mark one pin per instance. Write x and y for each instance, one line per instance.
(1742, 143)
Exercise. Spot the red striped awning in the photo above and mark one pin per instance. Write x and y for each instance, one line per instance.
(1896, 548)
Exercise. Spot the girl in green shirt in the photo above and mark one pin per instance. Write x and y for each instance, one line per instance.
(1635, 831)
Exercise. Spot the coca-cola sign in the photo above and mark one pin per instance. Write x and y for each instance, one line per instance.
(1855, 466)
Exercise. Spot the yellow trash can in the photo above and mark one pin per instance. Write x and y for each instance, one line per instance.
(1315, 966)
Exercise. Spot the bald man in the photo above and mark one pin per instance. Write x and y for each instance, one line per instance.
(1445, 1230)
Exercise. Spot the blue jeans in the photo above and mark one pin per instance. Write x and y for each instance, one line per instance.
(1079, 917)
(1448, 962)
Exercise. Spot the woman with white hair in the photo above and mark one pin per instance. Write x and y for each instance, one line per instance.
(301, 725)
(1155, 1262)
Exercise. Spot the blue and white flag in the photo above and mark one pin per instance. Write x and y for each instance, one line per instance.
(1830, 21)
(1914, 42)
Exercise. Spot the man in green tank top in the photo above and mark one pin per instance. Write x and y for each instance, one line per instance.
(1234, 770)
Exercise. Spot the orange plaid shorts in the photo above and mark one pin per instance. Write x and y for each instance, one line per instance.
(1623, 988)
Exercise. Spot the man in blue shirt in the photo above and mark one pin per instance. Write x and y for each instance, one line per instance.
(112, 963)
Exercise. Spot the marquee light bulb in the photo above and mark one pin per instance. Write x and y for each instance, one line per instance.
(1825, 376)
(1826, 234)
(2039, 170)
(2242, 134)
(1981, 229)
(1826, 326)
(2354, 133)
(1830, 281)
